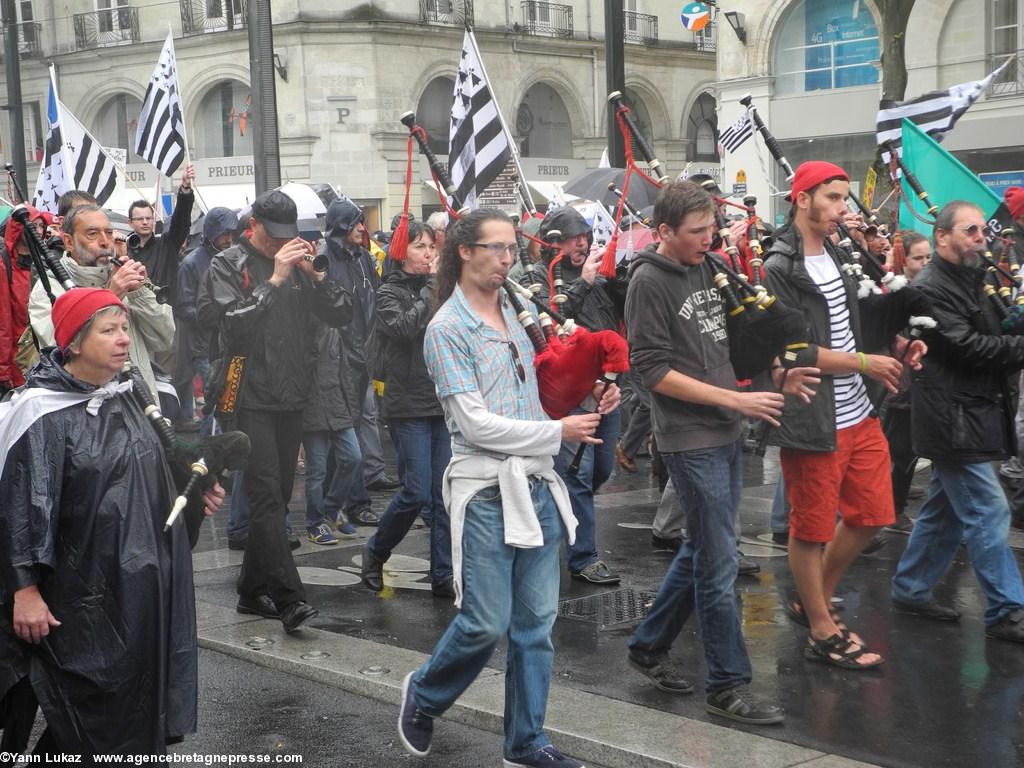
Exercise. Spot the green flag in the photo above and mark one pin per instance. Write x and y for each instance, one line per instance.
(943, 177)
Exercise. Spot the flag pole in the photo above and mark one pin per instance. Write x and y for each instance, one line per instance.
(524, 190)
(184, 130)
(65, 159)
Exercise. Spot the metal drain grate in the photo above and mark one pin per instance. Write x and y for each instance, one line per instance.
(623, 606)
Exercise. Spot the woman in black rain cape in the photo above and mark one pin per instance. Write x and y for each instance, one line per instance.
(97, 611)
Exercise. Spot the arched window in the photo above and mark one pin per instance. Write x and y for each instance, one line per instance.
(542, 124)
(702, 130)
(434, 112)
(116, 123)
(224, 122)
(826, 44)
(641, 117)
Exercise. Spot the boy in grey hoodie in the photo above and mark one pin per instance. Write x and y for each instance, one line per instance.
(676, 323)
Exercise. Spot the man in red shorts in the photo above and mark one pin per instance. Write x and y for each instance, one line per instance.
(834, 454)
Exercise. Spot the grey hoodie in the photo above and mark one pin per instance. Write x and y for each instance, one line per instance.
(675, 320)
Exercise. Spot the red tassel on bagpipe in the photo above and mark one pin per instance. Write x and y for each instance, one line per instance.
(400, 237)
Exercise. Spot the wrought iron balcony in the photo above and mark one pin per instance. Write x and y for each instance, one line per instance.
(640, 28)
(112, 26)
(201, 16)
(458, 13)
(30, 41)
(706, 40)
(1011, 80)
(547, 19)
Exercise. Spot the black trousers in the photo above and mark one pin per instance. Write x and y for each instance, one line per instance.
(268, 567)
(896, 425)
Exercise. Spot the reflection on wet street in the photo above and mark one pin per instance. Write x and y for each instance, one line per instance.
(947, 696)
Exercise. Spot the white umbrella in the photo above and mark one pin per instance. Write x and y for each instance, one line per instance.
(308, 203)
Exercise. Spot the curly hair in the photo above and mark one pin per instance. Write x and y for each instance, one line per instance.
(464, 231)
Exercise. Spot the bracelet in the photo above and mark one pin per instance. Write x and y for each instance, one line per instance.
(863, 362)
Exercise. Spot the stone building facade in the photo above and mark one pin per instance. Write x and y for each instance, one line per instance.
(812, 69)
(347, 70)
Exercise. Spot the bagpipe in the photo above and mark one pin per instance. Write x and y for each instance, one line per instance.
(569, 360)
(759, 327)
(195, 467)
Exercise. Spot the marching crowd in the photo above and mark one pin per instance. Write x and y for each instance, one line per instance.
(312, 342)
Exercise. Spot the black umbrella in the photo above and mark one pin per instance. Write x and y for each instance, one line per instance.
(593, 185)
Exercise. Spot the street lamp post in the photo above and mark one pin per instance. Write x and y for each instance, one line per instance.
(615, 75)
(12, 70)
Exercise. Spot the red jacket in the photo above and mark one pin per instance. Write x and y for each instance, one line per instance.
(14, 290)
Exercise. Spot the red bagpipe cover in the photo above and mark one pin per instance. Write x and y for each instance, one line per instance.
(568, 368)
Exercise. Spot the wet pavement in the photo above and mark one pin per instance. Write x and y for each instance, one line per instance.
(945, 697)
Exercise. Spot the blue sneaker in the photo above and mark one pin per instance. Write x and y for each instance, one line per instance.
(321, 534)
(345, 528)
(548, 757)
(415, 729)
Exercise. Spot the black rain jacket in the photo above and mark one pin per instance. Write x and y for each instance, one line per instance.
(162, 253)
(960, 399)
(403, 310)
(83, 499)
(273, 328)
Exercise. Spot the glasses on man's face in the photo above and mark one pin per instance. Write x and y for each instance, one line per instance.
(517, 361)
(141, 218)
(497, 249)
(971, 230)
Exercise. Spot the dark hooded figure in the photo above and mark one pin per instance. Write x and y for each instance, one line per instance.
(193, 342)
(97, 612)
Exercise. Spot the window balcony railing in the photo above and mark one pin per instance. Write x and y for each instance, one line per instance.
(455, 12)
(1011, 80)
(547, 19)
(112, 26)
(641, 28)
(30, 42)
(706, 40)
(201, 16)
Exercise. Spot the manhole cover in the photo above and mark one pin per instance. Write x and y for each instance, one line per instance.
(623, 606)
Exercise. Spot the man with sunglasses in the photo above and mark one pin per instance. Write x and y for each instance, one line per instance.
(962, 421)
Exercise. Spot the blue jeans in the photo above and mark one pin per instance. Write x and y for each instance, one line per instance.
(506, 591)
(326, 492)
(965, 501)
(778, 522)
(237, 528)
(424, 449)
(703, 573)
(595, 468)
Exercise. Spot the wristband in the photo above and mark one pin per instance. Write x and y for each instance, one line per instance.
(863, 362)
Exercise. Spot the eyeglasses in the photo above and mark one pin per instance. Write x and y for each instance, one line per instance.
(141, 218)
(517, 361)
(497, 249)
(971, 230)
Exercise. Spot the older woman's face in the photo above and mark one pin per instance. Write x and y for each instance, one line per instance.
(105, 346)
(420, 256)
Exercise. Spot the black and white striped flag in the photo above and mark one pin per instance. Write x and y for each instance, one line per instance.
(733, 137)
(160, 138)
(72, 159)
(478, 147)
(935, 112)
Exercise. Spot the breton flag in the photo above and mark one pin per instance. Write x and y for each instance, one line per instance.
(72, 159)
(733, 137)
(478, 147)
(160, 138)
(935, 113)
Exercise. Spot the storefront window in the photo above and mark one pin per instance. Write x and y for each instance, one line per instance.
(826, 44)
(854, 154)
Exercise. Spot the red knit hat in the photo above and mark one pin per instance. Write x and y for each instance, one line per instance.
(73, 309)
(812, 173)
(1014, 198)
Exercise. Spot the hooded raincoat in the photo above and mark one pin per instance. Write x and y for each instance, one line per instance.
(83, 500)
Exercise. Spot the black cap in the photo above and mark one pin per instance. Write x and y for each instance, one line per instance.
(277, 213)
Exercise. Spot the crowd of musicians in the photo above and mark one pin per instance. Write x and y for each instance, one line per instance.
(737, 335)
